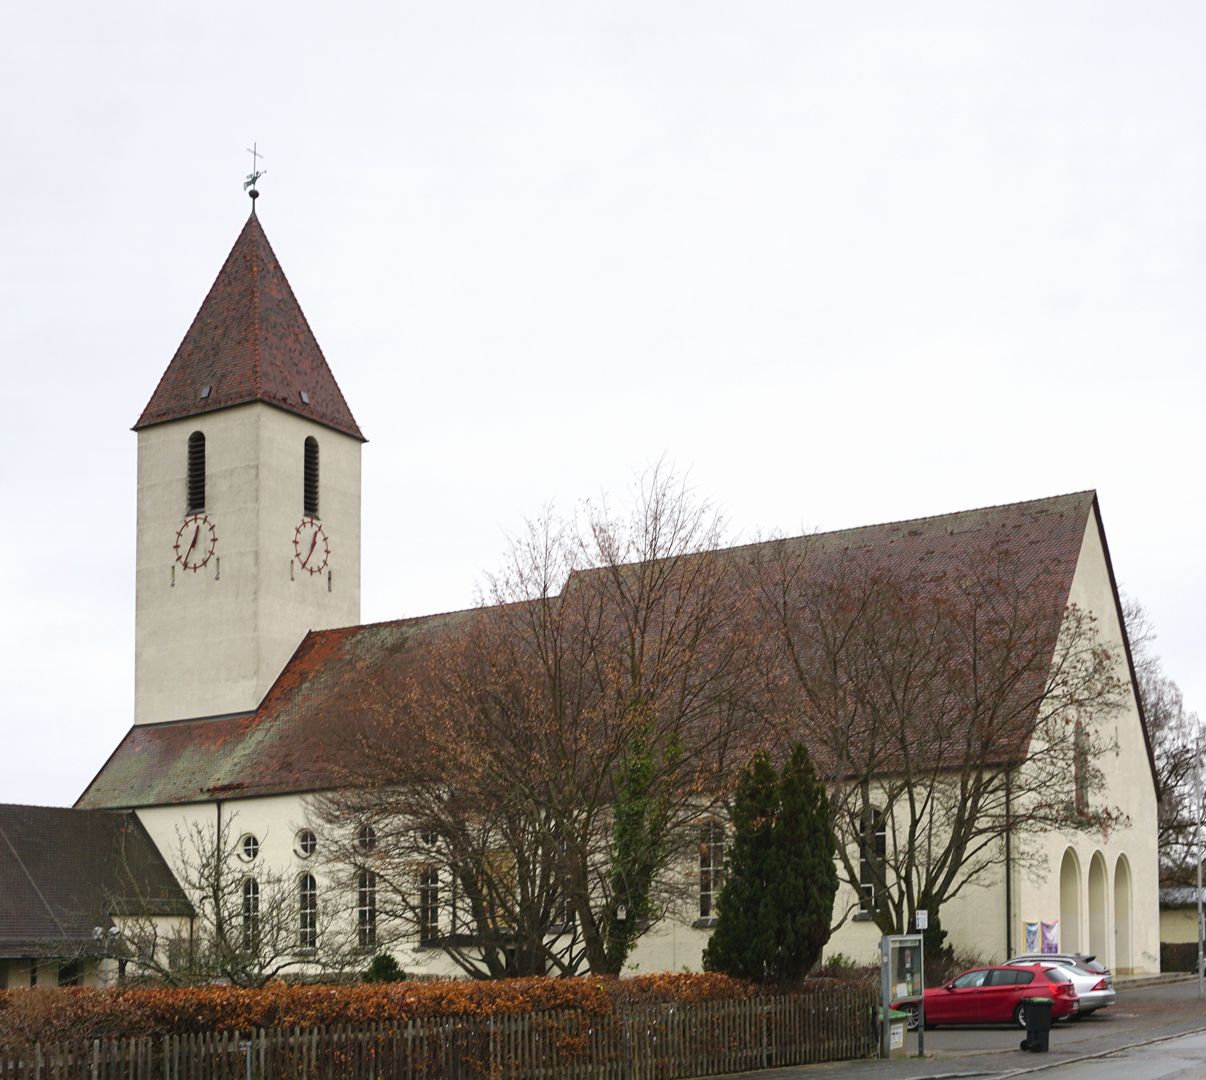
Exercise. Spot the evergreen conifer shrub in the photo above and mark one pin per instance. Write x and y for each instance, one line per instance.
(775, 906)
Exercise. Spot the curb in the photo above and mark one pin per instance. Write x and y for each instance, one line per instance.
(1154, 980)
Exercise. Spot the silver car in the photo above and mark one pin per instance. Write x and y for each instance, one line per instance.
(1090, 963)
(1094, 988)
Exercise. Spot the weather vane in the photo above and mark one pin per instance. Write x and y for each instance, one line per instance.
(255, 173)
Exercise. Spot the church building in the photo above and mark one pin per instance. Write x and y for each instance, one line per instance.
(252, 667)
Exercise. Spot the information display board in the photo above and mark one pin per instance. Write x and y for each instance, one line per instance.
(902, 976)
(906, 978)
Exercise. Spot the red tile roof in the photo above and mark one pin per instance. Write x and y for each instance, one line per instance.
(304, 734)
(250, 342)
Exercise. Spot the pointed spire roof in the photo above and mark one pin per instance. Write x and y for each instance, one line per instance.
(250, 342)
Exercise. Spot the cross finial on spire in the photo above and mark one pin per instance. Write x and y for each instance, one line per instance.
(255, 173)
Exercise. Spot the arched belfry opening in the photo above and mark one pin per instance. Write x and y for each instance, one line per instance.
(1069, 902)
(310, 480)
(195, 500)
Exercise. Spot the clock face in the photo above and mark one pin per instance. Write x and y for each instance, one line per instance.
(195, 542)
(311, 548)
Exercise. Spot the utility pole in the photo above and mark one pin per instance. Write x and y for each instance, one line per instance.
(1197, 795)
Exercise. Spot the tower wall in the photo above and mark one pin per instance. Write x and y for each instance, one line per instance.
(212, 641)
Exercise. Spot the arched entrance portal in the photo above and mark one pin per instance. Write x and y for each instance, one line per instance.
(1098, 938)
(1069, 903)
(1122, 916)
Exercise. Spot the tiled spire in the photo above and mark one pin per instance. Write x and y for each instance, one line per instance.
(250, 342)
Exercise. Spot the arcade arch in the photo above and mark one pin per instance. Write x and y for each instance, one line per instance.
(1069, 902)
(1098, 909)
(1122, 916)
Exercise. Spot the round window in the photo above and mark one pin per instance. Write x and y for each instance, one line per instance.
(250, 846)
(307, 843)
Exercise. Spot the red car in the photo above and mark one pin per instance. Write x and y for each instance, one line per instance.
(995, 995)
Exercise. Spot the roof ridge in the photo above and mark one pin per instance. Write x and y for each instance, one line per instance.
(256, 267)
(419, 618)
(927, 517)
(305, 318)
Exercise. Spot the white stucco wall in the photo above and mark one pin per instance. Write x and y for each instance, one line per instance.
(1179, 926)
(15, 974)
(1125, 944)
(213, 641)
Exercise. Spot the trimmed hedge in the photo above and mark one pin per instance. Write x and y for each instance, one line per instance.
(54, 1015)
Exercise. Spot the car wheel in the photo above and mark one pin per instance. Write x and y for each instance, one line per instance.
(911, 1022)
(1019, 1015)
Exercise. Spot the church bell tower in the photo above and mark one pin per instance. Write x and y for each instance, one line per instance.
(248, 499)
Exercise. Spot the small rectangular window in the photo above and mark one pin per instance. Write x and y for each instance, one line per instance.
(251, 915)
(871, 860)
(366, 910)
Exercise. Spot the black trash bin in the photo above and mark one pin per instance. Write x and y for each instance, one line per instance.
(1038, 1024)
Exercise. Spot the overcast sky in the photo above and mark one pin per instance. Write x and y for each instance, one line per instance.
(843, 263)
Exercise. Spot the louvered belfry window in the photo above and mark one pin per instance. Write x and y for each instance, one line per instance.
(196, 472)
(310, 489)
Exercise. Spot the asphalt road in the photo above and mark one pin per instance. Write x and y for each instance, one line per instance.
(1170, 1012)
(1176, 1059)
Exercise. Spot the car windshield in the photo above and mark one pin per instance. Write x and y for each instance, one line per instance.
(1058, 975)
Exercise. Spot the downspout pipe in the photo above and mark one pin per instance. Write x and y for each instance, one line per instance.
(1008, 870)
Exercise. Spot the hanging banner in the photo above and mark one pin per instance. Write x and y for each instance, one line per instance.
(1051, 937)
(1032, 937)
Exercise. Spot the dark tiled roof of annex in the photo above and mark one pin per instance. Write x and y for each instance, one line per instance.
(250, 342)
(297, 740)
(63, 873)
(339, 679)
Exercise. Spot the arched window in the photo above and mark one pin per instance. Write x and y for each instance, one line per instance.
(251, 914)
(429, 905)
(310, 485)
(307, 904)
(366, 909)
(196, 473)
(712, 858)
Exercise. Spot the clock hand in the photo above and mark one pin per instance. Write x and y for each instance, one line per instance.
(313, 545)
(196, 533)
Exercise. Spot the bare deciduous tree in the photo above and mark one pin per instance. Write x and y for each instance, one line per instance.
(553, 755)
(1176, 737)
(949, 714)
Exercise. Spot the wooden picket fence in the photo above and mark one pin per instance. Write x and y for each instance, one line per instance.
(639, 1042)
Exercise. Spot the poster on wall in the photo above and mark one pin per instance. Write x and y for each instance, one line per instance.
(1051, 937)
(1032, 937)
